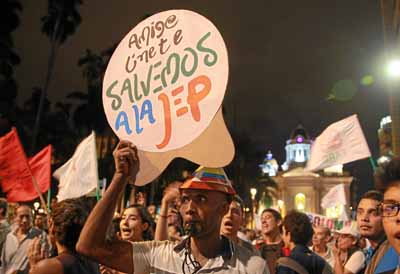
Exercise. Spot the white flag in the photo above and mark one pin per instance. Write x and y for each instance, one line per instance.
(336, 195)
(342, 142)
(79, 175)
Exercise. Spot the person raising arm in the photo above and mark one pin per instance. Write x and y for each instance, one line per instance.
(116, 254)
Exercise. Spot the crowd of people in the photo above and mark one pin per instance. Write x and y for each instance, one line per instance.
(198, 229)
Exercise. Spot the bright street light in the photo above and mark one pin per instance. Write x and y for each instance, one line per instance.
(36, 205)
(253, 192)
(394, 68)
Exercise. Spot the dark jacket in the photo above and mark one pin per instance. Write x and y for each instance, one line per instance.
(313, 263)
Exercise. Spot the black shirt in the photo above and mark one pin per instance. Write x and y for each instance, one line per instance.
(75, 264)
(313, 263)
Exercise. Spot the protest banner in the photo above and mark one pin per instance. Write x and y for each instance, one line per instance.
(332, 224)
(163, 91)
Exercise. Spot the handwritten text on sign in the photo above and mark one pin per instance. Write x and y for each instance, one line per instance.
(166, 80)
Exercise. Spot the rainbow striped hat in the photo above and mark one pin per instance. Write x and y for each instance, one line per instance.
(207, 178)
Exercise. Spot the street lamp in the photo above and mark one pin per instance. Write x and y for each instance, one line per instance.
(36, 205)
(253, 192)
(393, 71)
(393, 68)
(390, 16)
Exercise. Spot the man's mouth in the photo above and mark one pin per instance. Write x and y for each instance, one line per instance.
(397, 235)
(192, 228)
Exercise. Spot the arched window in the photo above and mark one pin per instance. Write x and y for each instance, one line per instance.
(300, 201)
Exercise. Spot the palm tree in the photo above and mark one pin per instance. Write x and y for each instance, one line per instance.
(9, 21)
(56, 127)
(60, 23)
(89, 114)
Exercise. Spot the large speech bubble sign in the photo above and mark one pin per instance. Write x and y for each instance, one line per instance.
(163, 90)
(166, 81)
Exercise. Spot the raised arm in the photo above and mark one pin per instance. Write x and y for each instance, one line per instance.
(171, 194)
(92, 241)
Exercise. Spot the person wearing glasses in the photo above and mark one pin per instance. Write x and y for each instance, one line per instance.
(390, 207)
(369, 221)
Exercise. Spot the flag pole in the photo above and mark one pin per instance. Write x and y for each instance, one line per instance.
(97, 169)
(35, 184)
(98, 191)
(371, 160)
(49, 198)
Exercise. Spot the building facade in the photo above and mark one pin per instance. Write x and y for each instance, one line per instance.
(303, 190)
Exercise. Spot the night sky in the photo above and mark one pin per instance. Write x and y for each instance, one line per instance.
(285, 57)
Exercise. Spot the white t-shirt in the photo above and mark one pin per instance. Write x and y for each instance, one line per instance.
(356, 262)
(166, 257)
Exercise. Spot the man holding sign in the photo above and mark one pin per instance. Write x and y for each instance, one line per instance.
(205, 200)
(163, 91)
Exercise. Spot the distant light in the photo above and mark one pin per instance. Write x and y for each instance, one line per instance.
(300, 201)
(41, 210)
(394, 68)
(385, 121)
(383, 160)
(299, 139)
(36, 205)
(253, 192)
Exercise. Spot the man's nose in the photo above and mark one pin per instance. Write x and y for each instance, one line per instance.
(365, 217)
(190, 208)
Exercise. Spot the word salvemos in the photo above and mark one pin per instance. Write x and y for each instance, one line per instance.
(159, 79)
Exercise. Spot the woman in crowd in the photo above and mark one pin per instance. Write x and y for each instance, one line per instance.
(65, 224)
(135, 224)
(349, 259)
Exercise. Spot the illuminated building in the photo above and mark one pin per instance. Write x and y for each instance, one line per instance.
(303, 190)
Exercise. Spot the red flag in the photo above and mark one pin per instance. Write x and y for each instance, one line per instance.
(40, 166)
(14, 167)
(16, 172)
